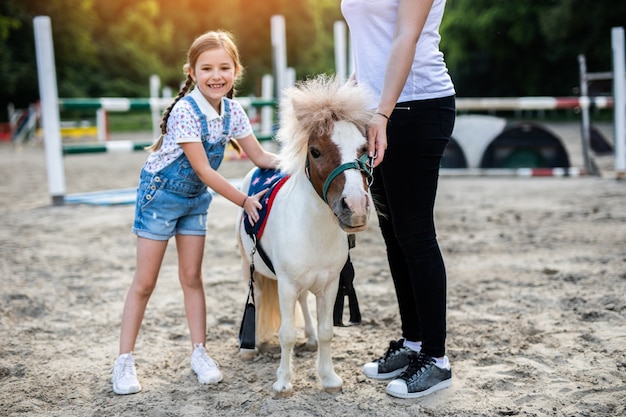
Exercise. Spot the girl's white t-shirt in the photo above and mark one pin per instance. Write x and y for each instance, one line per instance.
(184, 126)
(372, 25)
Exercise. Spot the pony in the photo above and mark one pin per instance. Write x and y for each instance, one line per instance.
(324, 197)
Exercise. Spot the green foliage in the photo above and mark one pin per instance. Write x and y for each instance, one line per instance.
(517, 48)
(112, 47)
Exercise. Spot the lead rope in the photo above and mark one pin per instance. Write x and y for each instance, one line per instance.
(252, 252)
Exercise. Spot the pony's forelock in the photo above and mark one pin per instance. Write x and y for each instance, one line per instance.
(311, 108)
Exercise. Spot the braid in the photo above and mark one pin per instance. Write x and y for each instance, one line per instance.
(166, 114)
(181, 94)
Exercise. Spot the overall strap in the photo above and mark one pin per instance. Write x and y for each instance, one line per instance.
(202, 116)
(226, 121)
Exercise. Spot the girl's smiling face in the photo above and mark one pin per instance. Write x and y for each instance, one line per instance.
(214, 74)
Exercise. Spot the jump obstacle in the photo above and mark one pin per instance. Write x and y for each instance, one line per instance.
(51, 106)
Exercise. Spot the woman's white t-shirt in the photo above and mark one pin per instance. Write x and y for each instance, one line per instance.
(372, 25)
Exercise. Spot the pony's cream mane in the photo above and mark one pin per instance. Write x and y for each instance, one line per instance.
(310, 109)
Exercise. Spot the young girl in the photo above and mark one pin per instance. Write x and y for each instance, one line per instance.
(172, 198)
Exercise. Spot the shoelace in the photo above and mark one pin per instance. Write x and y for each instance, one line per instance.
(417, 365)
(204, 361)
(394, 346)
(126, 369)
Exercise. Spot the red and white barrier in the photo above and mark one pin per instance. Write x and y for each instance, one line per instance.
(512, 172)
(532, 103)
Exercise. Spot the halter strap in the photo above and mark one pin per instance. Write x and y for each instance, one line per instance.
(363, 164)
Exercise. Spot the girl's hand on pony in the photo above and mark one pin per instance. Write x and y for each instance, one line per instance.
(252, 205)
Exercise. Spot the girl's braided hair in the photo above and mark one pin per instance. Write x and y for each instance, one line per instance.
(205, 42)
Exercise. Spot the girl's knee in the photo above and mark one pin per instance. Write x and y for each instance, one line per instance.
(191, 282)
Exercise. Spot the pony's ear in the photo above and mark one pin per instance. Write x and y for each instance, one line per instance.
(298, 103)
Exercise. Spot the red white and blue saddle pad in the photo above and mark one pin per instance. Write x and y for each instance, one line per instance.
(261, 179)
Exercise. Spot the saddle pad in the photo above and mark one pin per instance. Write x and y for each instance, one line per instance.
(261, 179)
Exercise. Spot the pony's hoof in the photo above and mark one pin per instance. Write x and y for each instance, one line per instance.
(247, 354)
(309, 346)
(332, 384)
(281, 391)
(333, 390)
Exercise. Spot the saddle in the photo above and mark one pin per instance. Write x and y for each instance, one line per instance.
(263, 178)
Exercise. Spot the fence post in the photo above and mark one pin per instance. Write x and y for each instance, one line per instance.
(619, 93)
(267, 112)
(49, 107)
(584, 111)
(155, 86)
(279, 52)
(341, 67)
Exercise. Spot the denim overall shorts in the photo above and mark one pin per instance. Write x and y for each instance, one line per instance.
(173, 200)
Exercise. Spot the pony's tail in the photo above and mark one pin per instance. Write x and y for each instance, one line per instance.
(267, 307)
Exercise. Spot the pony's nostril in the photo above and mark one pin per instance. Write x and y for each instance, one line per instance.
(344, 204)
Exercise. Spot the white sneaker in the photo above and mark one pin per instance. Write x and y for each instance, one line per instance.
(204, 366)
(124, 377)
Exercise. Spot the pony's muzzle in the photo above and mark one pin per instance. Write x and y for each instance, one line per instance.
(353, 213)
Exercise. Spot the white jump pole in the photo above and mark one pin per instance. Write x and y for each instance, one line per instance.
(585, 119)
(341, 66)
(619, 94)
(102, 123)
(267, 93)
(155, 86)
(49, 108)
(279, 51)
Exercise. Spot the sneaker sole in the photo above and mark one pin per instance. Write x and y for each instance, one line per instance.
(443, 384)
(388, 375)
(131, 390)
(210, 381)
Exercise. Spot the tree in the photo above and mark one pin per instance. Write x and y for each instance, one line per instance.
(130, 37)
(110, 48)
(505, 48)
(74, 51)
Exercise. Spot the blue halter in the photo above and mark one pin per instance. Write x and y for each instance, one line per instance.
(363, 164)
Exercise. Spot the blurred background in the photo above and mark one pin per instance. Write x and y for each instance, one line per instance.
(493, 48)
(110, 48)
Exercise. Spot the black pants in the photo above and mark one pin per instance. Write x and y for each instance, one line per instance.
(404, 190)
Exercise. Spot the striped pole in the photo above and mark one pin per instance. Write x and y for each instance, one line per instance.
(532, 103)
(122, 104)
(109, 146)
(512, 172)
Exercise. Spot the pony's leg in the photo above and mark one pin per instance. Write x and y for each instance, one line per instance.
(309, 328)
(287, 337)
(325, 303)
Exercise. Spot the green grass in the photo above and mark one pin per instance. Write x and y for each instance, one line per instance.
(134, 121)
(130, 122)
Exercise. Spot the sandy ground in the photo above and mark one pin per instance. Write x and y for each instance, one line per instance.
(536, 312)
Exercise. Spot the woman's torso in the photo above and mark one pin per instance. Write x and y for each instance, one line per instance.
(372, 25)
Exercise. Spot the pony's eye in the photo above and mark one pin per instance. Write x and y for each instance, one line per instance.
(315, 153)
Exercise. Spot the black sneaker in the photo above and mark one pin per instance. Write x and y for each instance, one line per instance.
(421, 377)
(395, 360)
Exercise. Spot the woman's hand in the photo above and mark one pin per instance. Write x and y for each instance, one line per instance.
(377, 137)
(252, 205)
